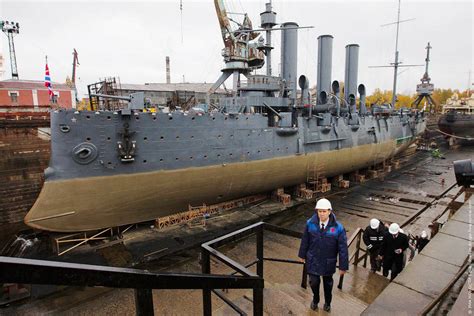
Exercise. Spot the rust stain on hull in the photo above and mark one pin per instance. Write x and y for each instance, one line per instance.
(99, 202)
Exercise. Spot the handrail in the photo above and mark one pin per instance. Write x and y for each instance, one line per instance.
(354, 236)
(207, 249)
(445, 290)
(32, 271)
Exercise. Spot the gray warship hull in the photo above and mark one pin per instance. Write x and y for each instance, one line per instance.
(194, 159)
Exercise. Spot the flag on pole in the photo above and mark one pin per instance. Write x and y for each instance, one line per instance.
(47, 81)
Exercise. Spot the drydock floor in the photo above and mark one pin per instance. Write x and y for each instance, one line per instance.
(423, 185)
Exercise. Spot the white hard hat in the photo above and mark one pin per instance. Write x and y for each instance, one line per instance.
(394, 229)
(374, 223)
(424, 234)
(323, 204)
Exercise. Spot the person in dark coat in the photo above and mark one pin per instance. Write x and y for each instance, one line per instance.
(391, 252)
(422, 241)
(323, 240)
(373, 239)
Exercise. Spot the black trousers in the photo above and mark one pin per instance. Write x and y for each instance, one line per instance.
(374, 263)
(395, 264)
(315, 282)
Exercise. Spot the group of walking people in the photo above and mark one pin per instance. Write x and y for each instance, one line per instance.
(388, 245)
(324, 240)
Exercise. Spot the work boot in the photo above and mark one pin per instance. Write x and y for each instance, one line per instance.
(313, 306)
(327, 308)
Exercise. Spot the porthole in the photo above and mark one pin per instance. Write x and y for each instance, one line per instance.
(218, 155)
(193, 118)
(205, 156)
(230, 154)
(162, 137)
(108, 138)
(145, 138)
(170, 118)
(191, 158)
(144, 161)
(154, 118)
(137, 118)
(108, 117)
(192, 136)
(177, 137)
(161, 159)
(88, 117)
(213, 118)
(177, 158)
(88, 139)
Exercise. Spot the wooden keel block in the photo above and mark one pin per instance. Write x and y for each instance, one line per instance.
(344, 184)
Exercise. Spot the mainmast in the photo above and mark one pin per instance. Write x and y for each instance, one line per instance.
(396, 63)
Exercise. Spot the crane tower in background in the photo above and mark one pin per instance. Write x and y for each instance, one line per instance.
(10, 29)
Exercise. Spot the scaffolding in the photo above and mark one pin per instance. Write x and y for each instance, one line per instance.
(108, 86)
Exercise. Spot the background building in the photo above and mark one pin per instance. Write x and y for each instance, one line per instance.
(31, 98)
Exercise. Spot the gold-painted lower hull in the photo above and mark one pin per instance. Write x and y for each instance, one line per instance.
(98, 202)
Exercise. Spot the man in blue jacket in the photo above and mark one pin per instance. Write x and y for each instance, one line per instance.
(324, 238)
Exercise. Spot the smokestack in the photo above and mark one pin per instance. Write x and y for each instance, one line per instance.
(289, 52)
(350, 77)
(324, 67)
(168, 74)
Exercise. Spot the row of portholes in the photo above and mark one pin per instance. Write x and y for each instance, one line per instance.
(205, 156)
(162, 137)
(169, 118)
(218, 155)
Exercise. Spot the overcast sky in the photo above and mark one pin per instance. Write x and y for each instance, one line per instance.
(131, 39)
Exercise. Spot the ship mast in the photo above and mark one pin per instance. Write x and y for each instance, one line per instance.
(396, 64)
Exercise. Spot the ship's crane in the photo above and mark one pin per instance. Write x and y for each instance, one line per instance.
(241, 54)
(10, 29)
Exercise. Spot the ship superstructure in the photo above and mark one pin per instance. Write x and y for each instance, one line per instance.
(111, 168)
(457, 119)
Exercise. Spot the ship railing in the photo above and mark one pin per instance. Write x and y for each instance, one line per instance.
(30, 271)
(209, 249)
